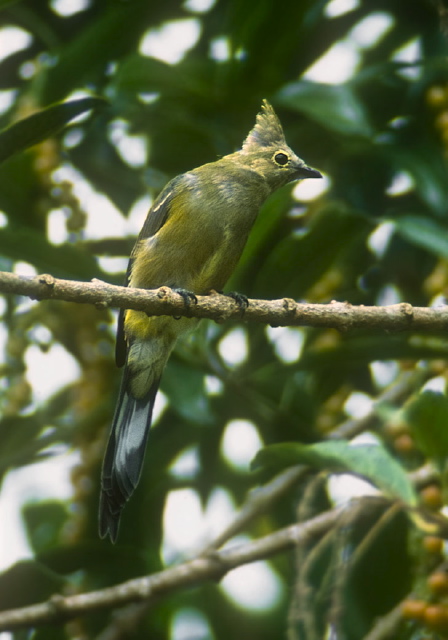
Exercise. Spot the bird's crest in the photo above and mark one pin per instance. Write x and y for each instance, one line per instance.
(266, 132)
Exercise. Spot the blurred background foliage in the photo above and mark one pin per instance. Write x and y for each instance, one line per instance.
(361, 88)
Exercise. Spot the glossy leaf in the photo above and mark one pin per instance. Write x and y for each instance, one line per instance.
(185, 387)
(27, 581)
(140, 74)
(43, 124)
(62, 261)
(372, 462)
(422, 160)
(335, 107)
(427, 416)
(103, 37)
(424, 232)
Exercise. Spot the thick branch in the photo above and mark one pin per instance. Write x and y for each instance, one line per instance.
(283, 312)
(201, 569)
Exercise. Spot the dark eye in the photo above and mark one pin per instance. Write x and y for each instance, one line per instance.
(281, 159)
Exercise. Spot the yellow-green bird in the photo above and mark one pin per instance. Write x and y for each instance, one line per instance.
(191, 240)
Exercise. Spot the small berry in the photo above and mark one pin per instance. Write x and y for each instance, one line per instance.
(413, 609)
(433, 544)
(432, 497)
(436, 617)
(436, 96)
(438, 582)
(404, 444)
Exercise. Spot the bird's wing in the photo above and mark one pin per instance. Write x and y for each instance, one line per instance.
(156, 218)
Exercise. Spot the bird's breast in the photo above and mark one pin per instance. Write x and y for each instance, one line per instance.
(205, 232)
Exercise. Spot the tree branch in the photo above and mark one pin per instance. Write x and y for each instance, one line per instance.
(283, 312)
(201, 569)
(396, 394)
(259, 501)
(388, 625)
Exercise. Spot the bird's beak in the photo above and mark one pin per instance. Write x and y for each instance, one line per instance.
(308, 172)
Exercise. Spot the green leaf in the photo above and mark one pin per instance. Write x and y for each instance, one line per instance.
(43, 522)
(64, 261)
(41, 125)
(138, 73)
(105, 36)
(19, 441)
(263, 237)
(290, 265)
(427, 416)
(185, 388)
(335, 107)
(27, 582)
(372, 462)
(423, 160)
(425, 233)
(143, 74)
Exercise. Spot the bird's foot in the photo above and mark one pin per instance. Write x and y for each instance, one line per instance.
(187, 296)
(241, 300)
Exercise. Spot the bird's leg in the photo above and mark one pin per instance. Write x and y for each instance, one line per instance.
(188, 297)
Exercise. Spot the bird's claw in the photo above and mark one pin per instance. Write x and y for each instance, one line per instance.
(187, 296)
(241, 300)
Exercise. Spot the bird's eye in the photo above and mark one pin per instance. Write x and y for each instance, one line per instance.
(281, 159)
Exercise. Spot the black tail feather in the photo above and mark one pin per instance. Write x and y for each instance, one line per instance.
(124, 456)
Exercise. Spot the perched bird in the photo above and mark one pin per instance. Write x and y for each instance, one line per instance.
(191, 240)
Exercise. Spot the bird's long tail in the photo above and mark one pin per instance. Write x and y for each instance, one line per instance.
(125, 451)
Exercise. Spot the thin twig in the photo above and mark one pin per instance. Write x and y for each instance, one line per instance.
(259, 501)
(387, 626)
(405, 385)
(201, 569)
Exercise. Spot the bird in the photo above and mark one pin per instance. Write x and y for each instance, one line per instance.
(191, 241)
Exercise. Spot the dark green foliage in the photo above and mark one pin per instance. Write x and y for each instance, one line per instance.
(36, 128)
(361, 134)
(372, 462)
